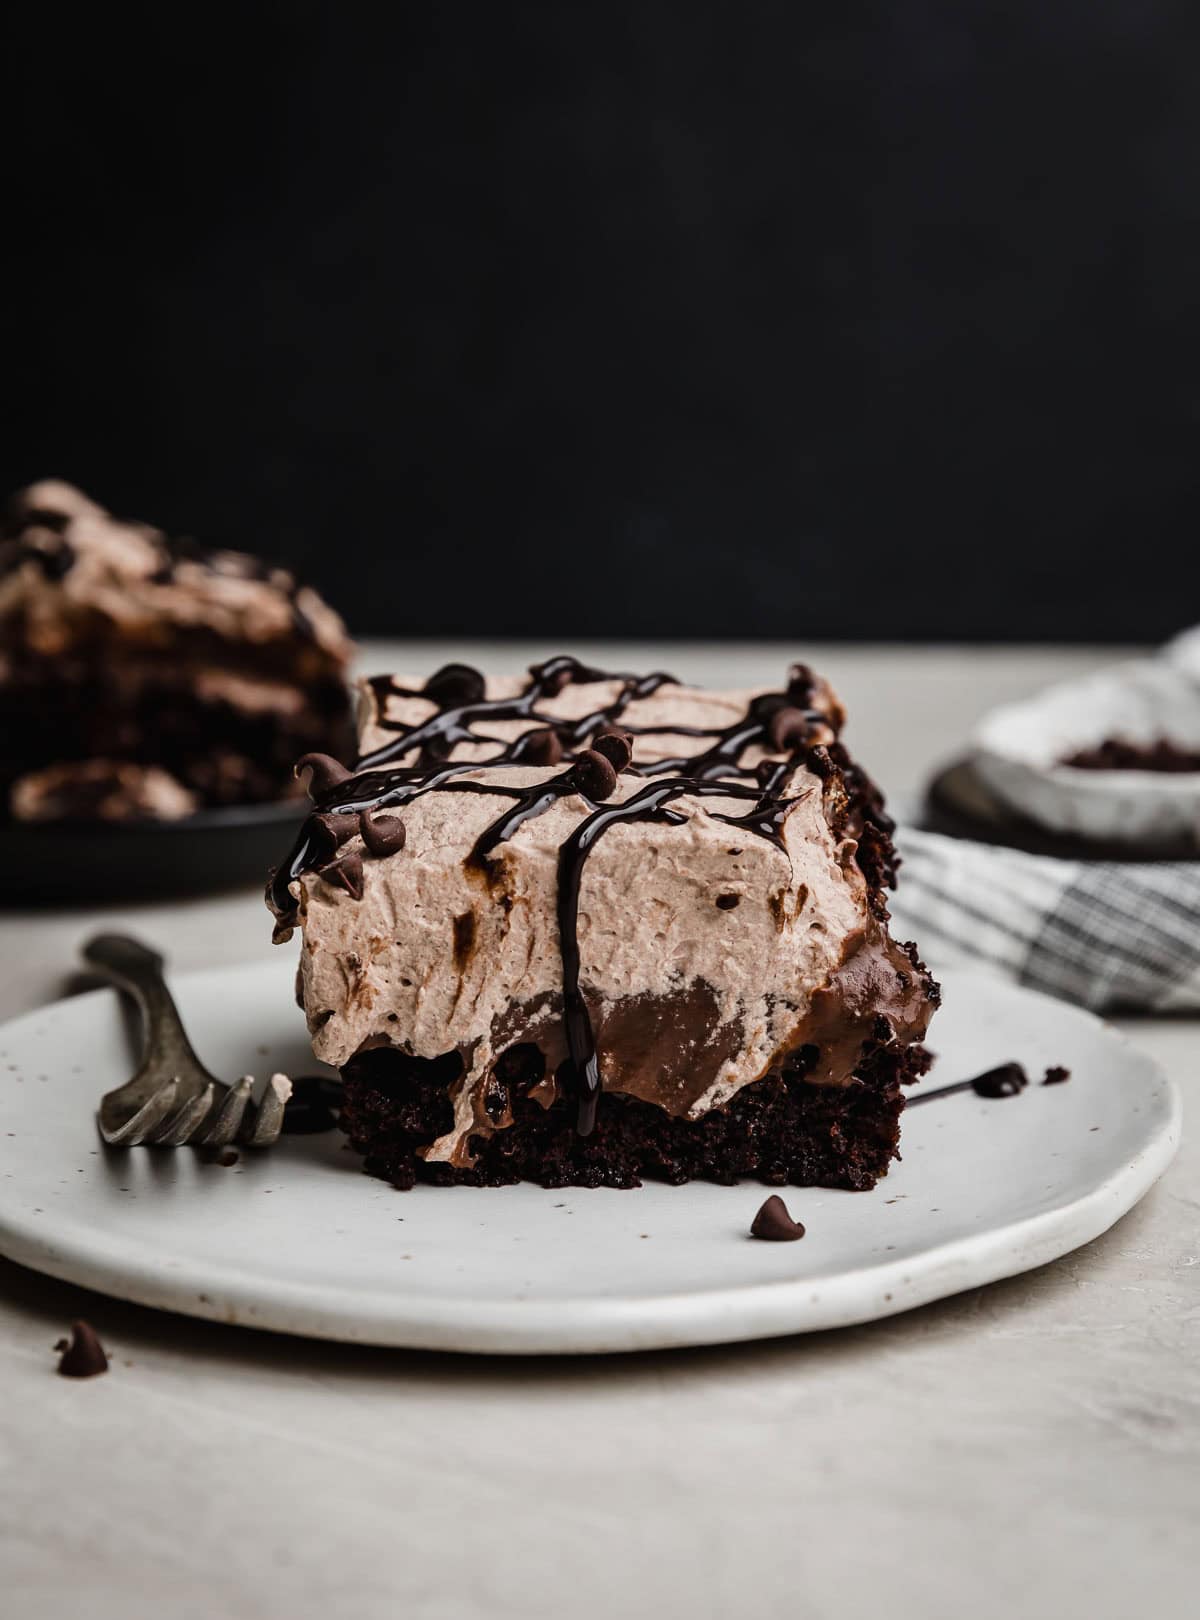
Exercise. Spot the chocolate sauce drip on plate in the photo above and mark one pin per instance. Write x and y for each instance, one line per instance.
(714, 771)
(1008, 1080)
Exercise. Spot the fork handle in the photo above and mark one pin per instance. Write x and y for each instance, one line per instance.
(136, 969)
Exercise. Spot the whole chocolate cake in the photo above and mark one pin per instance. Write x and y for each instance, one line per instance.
(146, 677)
(580, 928)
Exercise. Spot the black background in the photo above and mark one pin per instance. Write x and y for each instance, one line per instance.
(652, 319)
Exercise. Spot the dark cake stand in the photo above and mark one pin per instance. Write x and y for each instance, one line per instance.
(86, 862)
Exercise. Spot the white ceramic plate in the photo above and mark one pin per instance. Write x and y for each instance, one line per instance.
(299, 1240)
(1019, 747)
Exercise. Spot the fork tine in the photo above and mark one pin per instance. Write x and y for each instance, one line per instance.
(148, 1118)
(264, 1123)
(190, 1117)
(229, 1117)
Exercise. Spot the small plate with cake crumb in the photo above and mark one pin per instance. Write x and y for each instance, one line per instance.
(1112, 758)
(296, 1239)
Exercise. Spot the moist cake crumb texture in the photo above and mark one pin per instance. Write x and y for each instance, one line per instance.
(584, 927)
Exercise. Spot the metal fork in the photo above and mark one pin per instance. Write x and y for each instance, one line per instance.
(172, 1098)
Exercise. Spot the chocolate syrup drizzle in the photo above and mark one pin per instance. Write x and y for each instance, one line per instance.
(715, 771)
(1007, 1080)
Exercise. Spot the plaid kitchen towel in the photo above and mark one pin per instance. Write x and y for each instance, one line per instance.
(1111, 936)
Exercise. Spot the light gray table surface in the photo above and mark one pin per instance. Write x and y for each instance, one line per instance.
(1031, 1447)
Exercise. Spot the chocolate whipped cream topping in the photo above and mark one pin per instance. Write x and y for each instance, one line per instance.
(667, 889)
(65, 561)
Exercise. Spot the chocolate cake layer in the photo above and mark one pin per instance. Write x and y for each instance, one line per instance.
(670, 901)
(124, 648)
(780, 1130)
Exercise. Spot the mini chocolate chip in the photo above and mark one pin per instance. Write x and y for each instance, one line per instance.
(324, 772)
(455, 685)
(595, 775)
(774, 1223)
(766, 704)
(330, 830)
(728, 901)
(384, 835)
(346, 874)
(788, 728)
(801, 682)
(84, 1356)
(226, 1157)
(1056, 1076)
(1005, 1081)
(615, 745)
(538, 748)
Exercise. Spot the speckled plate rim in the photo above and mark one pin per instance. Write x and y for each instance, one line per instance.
(135, 1269)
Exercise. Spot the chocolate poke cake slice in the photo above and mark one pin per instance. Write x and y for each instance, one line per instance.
(146, 677)
(583, 928)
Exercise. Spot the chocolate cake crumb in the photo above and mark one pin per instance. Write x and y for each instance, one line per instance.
(312, 1106)
(224, 1156)
(81, 1356)
(774, 1224)
(1056, 1075)
(1116, 754)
